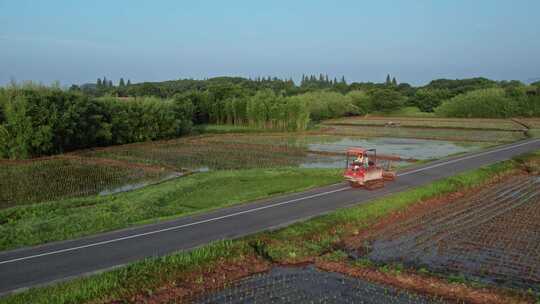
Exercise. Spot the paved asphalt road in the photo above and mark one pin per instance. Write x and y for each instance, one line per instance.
(26, 267)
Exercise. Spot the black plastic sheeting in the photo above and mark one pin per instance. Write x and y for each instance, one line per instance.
(492, 237)
(309, 285)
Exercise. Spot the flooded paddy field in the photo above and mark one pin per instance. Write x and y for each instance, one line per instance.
(492, 236)
(246, 151)
(127, 167)
(309, 285)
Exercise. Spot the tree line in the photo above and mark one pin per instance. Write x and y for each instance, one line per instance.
(37, 120)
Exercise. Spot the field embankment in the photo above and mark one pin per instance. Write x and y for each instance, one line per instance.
(453, 129)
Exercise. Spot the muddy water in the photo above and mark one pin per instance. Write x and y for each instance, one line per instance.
(406, 148)
(309, 285)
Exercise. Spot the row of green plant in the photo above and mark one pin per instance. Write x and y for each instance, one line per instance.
(59, 178)
(312, 237)
(37, 120)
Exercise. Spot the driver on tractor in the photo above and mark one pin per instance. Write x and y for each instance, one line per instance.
(366, 162)
(359, 161)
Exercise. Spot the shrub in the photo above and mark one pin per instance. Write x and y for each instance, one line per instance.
(428, 99)
(386, 100)
(361, 100)
(38, 120)
(325, 104)
(491, 102)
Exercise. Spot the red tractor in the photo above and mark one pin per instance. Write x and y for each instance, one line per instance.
(362, 169)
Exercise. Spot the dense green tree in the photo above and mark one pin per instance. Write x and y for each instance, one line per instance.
(388, 81)
(428, 99)
(491, 102)
(386, 100)
(459, 86)
(39, 120)
(121, 83)
(16, 131)
(394, 82)
(361, 100)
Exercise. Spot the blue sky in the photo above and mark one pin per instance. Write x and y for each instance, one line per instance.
(77, 41)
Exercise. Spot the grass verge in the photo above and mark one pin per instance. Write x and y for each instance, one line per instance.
(70, 218)
(301, 240)
(222, 129)
(405, 112)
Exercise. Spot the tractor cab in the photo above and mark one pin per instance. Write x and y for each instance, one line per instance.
(363, 170)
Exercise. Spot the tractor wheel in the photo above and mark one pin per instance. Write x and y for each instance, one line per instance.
(389, 176)
(354, 184)
(375, 184)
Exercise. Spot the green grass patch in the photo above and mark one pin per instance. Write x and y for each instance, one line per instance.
(442, 123)
(72, 218)
(455, 135)
(405, 112)
(533, 133)
(221, 129)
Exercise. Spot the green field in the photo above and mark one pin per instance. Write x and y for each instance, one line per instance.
(70, 218)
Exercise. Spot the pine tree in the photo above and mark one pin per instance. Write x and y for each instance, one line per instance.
(121, 83)
(343, 80)
(128, 82)
(388, 79)
(394, 82)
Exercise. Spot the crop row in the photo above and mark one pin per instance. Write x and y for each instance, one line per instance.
(49, 179)
(221, 152)
(493, 235)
